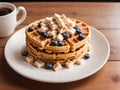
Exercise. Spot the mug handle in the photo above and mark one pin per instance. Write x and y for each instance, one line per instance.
(21, 8)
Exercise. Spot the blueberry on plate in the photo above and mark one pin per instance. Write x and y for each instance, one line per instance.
(54, 43)
(48, 65)
(24, 53)
(81, 36)
(30, 29)
(87, 56)
(44, 34)
(66, 36)
(60, 43)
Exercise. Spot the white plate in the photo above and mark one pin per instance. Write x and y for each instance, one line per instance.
(100, 51)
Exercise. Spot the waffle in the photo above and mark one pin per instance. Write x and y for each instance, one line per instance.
(41, 49)
(61, 58)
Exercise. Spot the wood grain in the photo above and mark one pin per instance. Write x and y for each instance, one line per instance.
(103, 16)
(99, 15)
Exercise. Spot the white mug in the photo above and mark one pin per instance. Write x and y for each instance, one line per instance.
(9, 21)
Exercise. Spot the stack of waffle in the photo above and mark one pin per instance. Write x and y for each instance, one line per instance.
(57, 39)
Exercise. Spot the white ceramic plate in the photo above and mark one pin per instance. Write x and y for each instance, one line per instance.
(100, 50)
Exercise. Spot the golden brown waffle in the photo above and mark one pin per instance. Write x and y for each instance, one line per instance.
(40, 47)
(61, 58)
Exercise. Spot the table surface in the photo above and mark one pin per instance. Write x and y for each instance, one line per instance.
(103, 16)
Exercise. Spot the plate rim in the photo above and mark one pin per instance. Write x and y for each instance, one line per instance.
(93, 72)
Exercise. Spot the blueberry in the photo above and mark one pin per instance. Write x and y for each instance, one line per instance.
(30, 29)
(44, 34)
(60, 43)
(81, 36)
(24, 53)
(54, 43)
(87, 56)
(75, 27)
(48, 65)
(78, 30)
(66, 35)
(39, 24)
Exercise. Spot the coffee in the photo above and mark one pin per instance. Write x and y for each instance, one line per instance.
(4, 11)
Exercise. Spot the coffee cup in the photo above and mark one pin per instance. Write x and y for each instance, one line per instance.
(8, 18)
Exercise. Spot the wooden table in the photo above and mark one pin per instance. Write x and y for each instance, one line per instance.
(103, 16)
